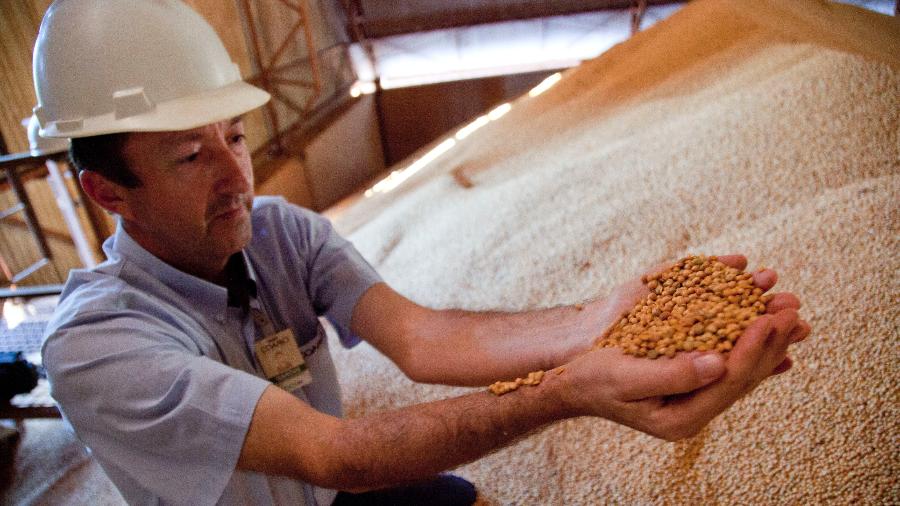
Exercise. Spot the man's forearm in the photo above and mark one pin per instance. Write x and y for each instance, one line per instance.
(288, 437)
(474, 348)
(417, 442)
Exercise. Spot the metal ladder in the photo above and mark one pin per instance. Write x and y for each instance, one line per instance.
(12, 166)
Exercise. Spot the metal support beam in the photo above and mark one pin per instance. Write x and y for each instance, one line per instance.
(638, 9)
(33, 225)
(271, 75)
(355, 20)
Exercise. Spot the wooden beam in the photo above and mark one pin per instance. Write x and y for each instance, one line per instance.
(381, 19)
(21, 413)
(30, 218)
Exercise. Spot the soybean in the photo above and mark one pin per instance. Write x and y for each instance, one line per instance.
(698, 304)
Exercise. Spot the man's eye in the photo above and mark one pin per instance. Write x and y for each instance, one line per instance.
(235, 139)
(190, 158)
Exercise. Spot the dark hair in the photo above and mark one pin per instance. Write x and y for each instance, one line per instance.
(104, 155)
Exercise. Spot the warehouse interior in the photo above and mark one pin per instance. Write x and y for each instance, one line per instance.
(503, 155)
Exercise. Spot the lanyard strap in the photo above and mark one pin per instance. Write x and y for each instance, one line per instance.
(260, 318)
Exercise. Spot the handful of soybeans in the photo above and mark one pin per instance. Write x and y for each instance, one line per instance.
(699, 304)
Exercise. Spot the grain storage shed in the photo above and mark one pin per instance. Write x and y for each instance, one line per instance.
(770, 128)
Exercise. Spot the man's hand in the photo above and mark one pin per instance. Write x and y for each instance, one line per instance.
(675, 398)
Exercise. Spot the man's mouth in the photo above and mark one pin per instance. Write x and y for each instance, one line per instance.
(230, 213)
(231, 210)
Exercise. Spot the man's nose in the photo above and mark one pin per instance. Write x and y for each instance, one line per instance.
(233, 173)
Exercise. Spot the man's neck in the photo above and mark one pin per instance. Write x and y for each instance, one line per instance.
(206, 268)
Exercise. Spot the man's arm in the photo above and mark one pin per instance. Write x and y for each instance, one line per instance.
(458, 347)
(469, 348)
(667, 398)
(287, 436)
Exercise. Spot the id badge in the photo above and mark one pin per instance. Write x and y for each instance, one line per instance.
(282, 361)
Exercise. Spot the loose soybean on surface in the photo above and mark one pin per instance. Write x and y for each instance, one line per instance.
(698, 304)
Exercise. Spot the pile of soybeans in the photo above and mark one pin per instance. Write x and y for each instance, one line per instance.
(699, 304)
(769, 128)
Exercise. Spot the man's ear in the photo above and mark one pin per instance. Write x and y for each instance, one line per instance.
(107, 194)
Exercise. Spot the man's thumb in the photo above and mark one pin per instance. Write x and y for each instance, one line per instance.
(709, 367)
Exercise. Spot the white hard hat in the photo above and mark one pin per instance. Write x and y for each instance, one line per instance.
(43, 145)
(108, 66)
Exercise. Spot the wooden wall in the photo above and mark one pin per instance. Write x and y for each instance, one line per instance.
(416, 116)
(346, 155)
(19, 23)
(337, 161)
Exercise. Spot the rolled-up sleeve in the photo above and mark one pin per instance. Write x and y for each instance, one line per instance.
(338, 276)
(161, 415)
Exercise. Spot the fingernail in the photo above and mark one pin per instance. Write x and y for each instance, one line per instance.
(709, 367)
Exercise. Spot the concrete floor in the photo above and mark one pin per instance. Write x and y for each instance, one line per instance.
(41, 461)
(47, 465)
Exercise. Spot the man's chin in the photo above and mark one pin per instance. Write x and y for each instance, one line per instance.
(231, 236)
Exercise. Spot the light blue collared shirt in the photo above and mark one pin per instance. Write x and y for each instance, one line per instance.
(156, 373)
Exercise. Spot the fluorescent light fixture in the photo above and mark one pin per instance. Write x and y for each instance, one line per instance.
(465, 131)
(499, 111)
(545, 85)
(362, 88)
(510, 47)
(396, 177)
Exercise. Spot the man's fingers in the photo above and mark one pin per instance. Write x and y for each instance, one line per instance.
(750, 346)
(796, 334)
(669, 376)
(743, 368)
(765, 279)
(761, 351)
(800, 331)
(784, 366)
(784, 322)
(783, 300)
(739, 262)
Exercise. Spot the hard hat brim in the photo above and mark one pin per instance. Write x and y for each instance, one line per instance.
(183, 113)
(47, 152)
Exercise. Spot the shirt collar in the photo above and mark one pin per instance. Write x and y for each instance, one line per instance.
(210, 297)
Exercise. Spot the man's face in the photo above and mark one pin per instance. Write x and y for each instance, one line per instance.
(193, 206)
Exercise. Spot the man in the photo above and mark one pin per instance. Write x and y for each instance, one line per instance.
(192, 362)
